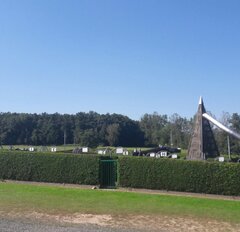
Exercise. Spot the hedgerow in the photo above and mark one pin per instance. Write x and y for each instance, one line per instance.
(136, 172)
(180, 175)
(57, 168)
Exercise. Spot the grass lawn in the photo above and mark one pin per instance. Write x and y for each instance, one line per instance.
(61, 200)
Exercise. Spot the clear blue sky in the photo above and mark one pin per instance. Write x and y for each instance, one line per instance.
(127, 56)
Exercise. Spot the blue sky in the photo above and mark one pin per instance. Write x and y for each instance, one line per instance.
(128, 56)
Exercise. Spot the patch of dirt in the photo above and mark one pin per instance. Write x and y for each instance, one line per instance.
(139, 222)
(175, 224)
(77, 218)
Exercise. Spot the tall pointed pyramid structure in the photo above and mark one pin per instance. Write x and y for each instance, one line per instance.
(202, 144)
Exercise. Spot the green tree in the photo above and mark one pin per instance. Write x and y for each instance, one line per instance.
(153, 126)
(180, 131)
(235, 125)
(113, 134)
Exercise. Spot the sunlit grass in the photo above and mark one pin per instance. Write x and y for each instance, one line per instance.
(46, 199)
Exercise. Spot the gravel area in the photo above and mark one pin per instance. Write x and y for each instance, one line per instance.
(136, 224)
(13, 225)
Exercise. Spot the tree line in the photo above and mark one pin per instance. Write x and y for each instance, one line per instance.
(93, 129)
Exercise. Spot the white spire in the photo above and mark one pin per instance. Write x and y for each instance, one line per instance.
(200, 100)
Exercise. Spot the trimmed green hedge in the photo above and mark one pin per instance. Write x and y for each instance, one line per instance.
(180, 175)
(136, 172)
(48, 167)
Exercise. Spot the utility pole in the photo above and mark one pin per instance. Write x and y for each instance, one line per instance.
(229, 148)
(64, 138)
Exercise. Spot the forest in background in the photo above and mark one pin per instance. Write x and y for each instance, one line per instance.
(93, 129)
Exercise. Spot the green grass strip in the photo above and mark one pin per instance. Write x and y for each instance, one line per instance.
(61, 200)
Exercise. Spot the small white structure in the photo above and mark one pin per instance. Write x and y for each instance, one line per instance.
(174, 156)
(31, 149)
(152, 154)
(53, 149)
(163, 153)
(158, 155)
(85, 149)
(100, 152)
(221, 159)
(125, 152)
(119, 150)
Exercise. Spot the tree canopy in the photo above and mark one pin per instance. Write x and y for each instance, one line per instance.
(93, 129)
